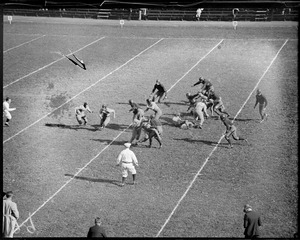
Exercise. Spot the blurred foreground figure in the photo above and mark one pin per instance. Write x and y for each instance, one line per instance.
(10, 216)
(251, 222)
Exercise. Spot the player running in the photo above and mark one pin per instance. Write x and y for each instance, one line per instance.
(104, 115)
(80, 113)
(262, 104)
(230, 130)
(160, 93)
(7, 110)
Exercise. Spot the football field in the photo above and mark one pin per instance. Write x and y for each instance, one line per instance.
(64, 175)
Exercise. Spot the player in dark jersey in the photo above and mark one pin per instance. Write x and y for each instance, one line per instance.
(262, 104)
(160, 93)
(216, 104)
(230, 130)
(206, 85)
(138, 112)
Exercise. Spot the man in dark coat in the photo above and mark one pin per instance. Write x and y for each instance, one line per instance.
(97, 230)
(251, 222)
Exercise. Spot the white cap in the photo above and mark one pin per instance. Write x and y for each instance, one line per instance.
(127, 145)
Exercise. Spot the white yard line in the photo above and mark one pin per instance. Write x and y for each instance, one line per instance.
(23, 43)
(82, 90)
(52, 63)
(74, 176)
(195, 65)
(81, 169)
(214, 149)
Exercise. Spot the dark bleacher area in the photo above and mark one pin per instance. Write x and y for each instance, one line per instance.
(215, 14)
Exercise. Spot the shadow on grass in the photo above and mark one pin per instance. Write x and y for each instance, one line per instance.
(72, 127)
(113, 126)
(126, 103)
(100, 180)
(210, 143)
(109, 141)
(167, 103)
(167, 121)
(244, 120)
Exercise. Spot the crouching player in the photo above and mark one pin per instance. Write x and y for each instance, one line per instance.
(80, 113)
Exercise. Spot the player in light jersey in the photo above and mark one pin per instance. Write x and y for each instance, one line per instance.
(183, 124)
(200, 108)
(153, 106)
(7, 110)
(80, 113)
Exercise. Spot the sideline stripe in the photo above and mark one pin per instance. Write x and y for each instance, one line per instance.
(214, 149)
(23, 44)
(51, 63)
(81, 169)
(83, 90)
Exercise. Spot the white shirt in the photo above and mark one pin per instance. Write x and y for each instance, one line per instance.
(127, 156)
(6, 107)
(10, 208)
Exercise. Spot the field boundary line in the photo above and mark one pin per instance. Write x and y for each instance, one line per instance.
(23, 43)
(214, 149)
(81, 169)
(83, 90)
(52, 63)
(73, 177)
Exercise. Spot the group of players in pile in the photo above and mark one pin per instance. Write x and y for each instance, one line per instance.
(198, 105)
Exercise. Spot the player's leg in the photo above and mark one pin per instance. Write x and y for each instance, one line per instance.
(228, 140)
(260, 108)
(156, 133)
(84, 118)
(8, 118)
(106, 122)
(238, 138)
(159, 140)
(151, 135)
(124, 174)
(133, 135)
(132, 170)
(79, 120)
(222, 110)
(158, 114)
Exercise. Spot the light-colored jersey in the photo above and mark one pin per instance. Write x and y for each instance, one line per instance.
(10, 208)
(6, 107)
(153, 106)
(127, 156)
(81, 110)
